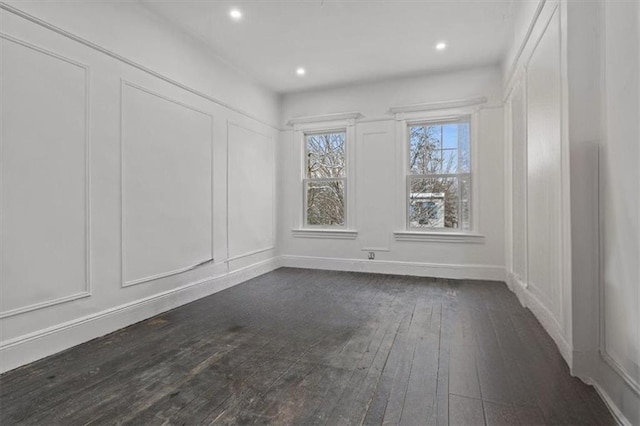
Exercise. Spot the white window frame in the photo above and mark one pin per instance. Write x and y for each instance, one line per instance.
(409, 116)
(306, 180)
(319, 125)
(410, 176)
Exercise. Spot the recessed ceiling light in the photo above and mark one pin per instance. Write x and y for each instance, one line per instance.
(301, 71)
(235, 14)
(441, 46)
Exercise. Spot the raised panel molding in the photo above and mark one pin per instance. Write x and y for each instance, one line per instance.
(127, 283)
(373, 182)
(86, 291)
(617, 182)
(271, 243)
(114, 55)
(519, 178)
(33, 346)
(545, 171)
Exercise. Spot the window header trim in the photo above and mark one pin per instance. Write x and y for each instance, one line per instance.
(434, 106)
(325, 118)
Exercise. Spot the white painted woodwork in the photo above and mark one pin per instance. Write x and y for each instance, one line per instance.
(167, 196)
(519, 168)
(129, 163)
(157, 48)
(544, 115)
(539, 263)
(594, 109)
(376, 143)
(125, 143)
(251, 191)
(45, 178)
(620, 192)
(378, 159)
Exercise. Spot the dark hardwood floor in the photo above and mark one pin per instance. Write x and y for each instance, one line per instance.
(315, 347)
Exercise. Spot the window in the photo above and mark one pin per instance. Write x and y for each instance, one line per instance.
(439, 175)
(325, 179)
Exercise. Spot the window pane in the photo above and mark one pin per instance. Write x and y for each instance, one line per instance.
(424, 149)
(439, 148)
(450, 136)
(436, 203)
(449, 161)
(326, 155)
(325, 203)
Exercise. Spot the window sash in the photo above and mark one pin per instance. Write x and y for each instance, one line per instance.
(460, 176)
(305, 196)
(307, 180)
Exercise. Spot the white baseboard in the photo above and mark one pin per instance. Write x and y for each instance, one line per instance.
(613, 408)
(437, 270)
(583, 364)
(543, 314)
(31, 347)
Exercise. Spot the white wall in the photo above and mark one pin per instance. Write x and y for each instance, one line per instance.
(122, 185)
(129, 29)
(376, 147)
(620, 210)
(373, 100)
(524, 14)
(589, 121)
(538, 261)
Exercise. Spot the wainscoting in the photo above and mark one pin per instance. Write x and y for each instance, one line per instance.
(123, 191)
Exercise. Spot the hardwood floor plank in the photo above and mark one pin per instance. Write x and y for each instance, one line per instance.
(463, 373)
(419, 405)
(400, 360)
(298, 346)
(500, 414)
(530, 416)
(465, 411)
(449, 308)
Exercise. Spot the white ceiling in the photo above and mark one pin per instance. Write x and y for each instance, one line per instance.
(344, 41)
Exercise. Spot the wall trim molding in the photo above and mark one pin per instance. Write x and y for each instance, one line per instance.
(116, 56)
(613, 408)
(42, 343)
(272, 245)
(340, 116)
(543, 315)
(434, 106)
(514, 66)
(605, 356)
(613, 364)
(44, 304)
(250, 253)
(128, 283)
(439, 237)
(340, 234)
(419, 269)
(87, 292)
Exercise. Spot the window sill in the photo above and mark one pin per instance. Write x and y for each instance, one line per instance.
(340, 234)
(439, 237)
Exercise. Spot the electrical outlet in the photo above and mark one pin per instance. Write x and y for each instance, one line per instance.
(372, 255)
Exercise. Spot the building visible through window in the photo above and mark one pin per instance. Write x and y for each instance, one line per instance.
(439, 175)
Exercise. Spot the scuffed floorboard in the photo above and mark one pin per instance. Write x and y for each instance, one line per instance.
(311, 347)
